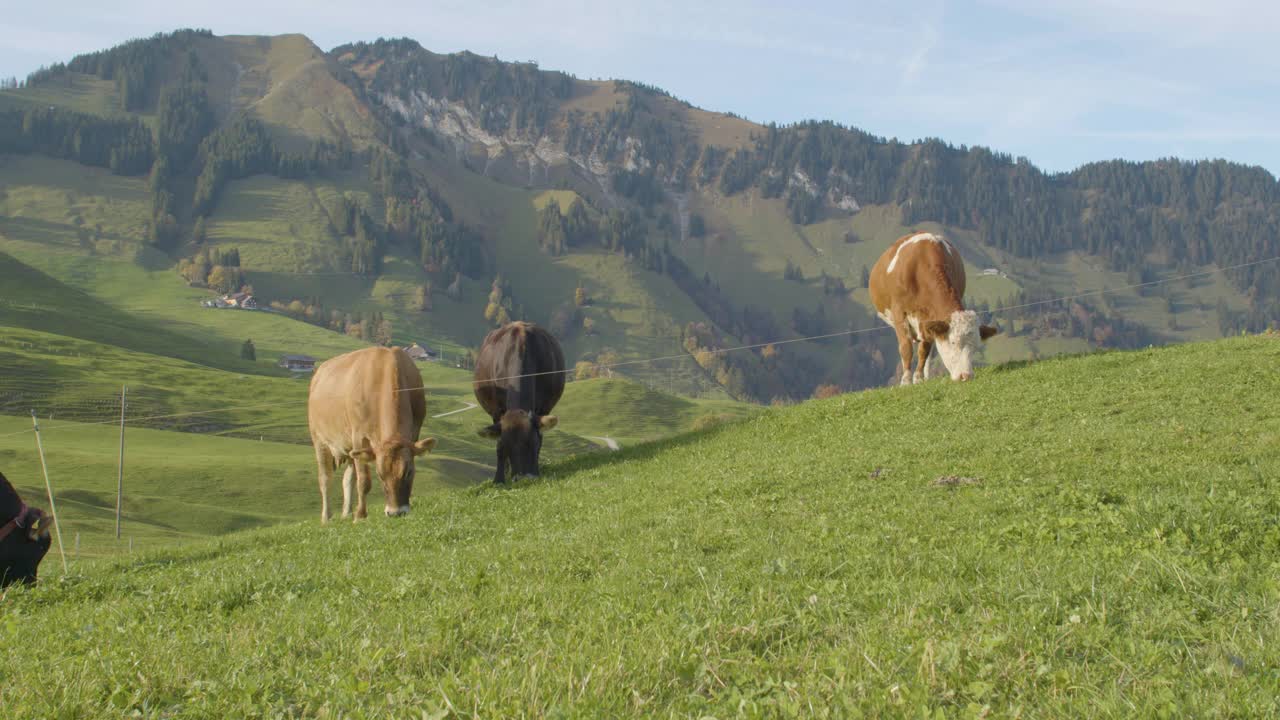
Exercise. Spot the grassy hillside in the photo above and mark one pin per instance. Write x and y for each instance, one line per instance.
(180, 486)
(637, 313)
(163, 315)
(74, 381)
(82, 93)
(50, 211)
(236, 428)
(1107, 549)
(34, 300)
(178, 412)
(630, 412)
(290, 84)
(282, 231)
(51, 201)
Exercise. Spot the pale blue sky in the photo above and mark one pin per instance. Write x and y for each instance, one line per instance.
(1063, 82)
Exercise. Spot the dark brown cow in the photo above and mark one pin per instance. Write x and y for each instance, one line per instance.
(917, 286)
(24, 537)
(519, 379)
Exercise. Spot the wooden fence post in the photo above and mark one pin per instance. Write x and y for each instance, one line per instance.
(53, 509)
(124, 389)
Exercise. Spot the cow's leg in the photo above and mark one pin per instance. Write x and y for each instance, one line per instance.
(364, 481)
(348, 489)
(326, 464)
(500, 475)
(926, 354)
(904, 351)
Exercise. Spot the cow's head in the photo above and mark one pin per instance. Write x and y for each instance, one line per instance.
(519, 435)
(957, 340)
(396, 469)
(23, 547)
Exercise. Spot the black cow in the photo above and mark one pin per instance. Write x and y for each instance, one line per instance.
(519, 379)
(24, 537)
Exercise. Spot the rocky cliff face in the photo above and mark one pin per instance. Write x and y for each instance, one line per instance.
(527, 161)
(543, 161)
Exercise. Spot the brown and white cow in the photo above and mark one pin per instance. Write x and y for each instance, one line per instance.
(368, 406)
(917, 287)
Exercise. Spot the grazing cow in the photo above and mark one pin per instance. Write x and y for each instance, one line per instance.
(24, 537)
(519, 379)
(368, 406)
(917, 286)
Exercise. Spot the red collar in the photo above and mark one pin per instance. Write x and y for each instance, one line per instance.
(16, 522)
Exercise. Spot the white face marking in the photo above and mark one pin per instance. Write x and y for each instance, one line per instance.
(956, 350)
(914, 323)
(886, 316)
(911, 241)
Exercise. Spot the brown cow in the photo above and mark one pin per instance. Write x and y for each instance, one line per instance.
(917, 286)
(519, 379)
(368, 406)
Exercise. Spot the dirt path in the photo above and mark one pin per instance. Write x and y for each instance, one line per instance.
(470, 406)
(613, 444)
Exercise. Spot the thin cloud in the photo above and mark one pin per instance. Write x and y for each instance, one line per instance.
(1171, 23)
(922, 45)
(1214, 135)
(919, 58)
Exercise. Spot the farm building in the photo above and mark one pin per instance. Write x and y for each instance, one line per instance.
(297, 363)
(422, 353)
(243, 301)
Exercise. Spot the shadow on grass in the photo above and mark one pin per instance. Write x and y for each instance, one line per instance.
(151, 259)
(558, 471)
(612, 304)
(1016, 365)
(456, 474)
(40, 231)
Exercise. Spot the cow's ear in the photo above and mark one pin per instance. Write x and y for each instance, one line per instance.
(936, 329)
(986, 331)
(548, 422)
(491, 431)
(423, 446)
(38, 525)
